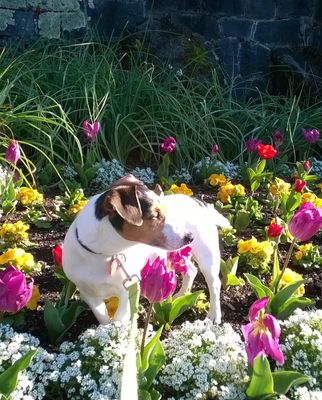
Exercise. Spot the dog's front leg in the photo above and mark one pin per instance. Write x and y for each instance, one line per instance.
(187, 280)
(123, 312)
(98, 306)
(214, 285)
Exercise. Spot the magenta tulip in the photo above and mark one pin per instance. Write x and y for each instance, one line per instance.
(306, 165)
(306, 222)
(169, 144)
(262, 333)
(15, 292)
(311, 135)
(278, 138)
(215, 150)
(13, 152)
(252, 145)
(157, 282)
(180, 259)
(90, 130)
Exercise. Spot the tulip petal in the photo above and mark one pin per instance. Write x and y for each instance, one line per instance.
(271, 323)
(256, 307)
(271, 347)
(254, 347)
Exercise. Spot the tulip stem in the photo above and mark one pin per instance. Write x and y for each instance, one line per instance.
(287, 260)
(148, 316)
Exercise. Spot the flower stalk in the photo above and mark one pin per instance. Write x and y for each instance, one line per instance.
(148, 317)
(287, 260)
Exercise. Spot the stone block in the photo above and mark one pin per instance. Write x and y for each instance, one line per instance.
(241, 28)
(160, 4)
(295, 8)
(204, 25)
(227, 50)
(26, 26)
(253, 59)
(49, 25)
(285, 32)
(6, 20)
(73, 20)
(262, 9)
(231, 7)
(13, 4)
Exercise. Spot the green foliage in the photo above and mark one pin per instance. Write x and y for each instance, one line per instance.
(228, 271)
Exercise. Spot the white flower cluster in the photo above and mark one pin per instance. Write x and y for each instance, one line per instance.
(229, 169)
(69, 172)
(203, 361)
(91, 368)
(301, 344)
(182, 176)
(106, 173)
(146, 175)
(32, 380)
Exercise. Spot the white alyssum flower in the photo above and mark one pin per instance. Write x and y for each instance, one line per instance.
(203, 361)
(301, 344)
(182, 175)
(32, 381)
(210, 166)
(69, 172)
(106, 173)
(146, 175)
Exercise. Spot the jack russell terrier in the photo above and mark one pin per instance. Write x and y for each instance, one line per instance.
(117, 231)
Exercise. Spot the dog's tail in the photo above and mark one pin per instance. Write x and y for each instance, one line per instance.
(219, 220)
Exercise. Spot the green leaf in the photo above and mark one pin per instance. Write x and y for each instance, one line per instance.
(277, 301)
(148, 348)
(182, 304)
(232, 280)
(259, 288)
(291, 304)
(276, 269)
(53, 321)
(9, 378)
(284, 380)
(261, 166)
(261, 383)
(242, 220)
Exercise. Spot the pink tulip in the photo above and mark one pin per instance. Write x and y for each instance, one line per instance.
(169, 144)
(306, 222)
(13, 152)
(311, 135)
(157, 282)
(215, 150)
(252, 145)
(278, 138)
(262, 333)
(15, 292)
(180, 259)
(58, 255)
(90, 130)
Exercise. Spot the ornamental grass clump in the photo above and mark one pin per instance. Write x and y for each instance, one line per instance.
(203, 361)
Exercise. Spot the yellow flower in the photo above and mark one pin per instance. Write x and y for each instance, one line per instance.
(248, 246)
(291, 276)
(227, 191)
(217, 180)
(27, 196)
(14, 232)
(112, 304)
(298, 255)
(278, 187)
(239, 190)
(182, 189)
(317, 203)
(202, 305)
(308, 197)
(35, 297)
(17, 257)
(306, 247)
(76, 208)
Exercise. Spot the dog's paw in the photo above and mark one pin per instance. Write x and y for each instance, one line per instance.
(215, 318)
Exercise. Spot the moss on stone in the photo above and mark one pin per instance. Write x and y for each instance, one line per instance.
(73, 20)
(6, 18)
(49, 25)
(13, 4)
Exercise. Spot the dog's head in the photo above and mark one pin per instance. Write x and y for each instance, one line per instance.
(138, 215)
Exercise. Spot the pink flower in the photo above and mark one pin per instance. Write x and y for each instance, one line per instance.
(15, 292)
(157, 282)
(278, 138)
(252, 145)
(311, 135)
(215, 150)
(306, 222)
(180, 259)
(168, 144)
(306, 165)
(58, 255)
(299, 185)
(13, 152)
(90, 130)
(262, 333)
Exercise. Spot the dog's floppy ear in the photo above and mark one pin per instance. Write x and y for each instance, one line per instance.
(124, 201)
(128, 179)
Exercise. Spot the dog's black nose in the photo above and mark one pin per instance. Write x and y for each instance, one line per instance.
(188, 238)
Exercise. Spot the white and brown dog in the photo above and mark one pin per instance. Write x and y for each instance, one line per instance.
(118, 230)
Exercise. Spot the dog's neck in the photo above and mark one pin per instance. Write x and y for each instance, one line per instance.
(99, 237)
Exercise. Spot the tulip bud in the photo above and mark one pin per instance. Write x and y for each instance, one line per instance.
(299, 185)
(90, 130)
(306, 222)
(278, 138)
(306, 165)
(168, 144)
(275, 230)
(58, 255)
(215, 150)
(13, 152)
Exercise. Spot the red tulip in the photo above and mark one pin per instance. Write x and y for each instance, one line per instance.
(306, 165)
(157, 282)
(262, 333)
(169, 144)
(275, 230)
(15, 292)
(13, 152)
(90, 130)
(306, 222)
(58, 255)
(299, 185)
(266, 151)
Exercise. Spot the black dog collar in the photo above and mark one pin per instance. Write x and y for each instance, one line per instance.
(83, 245)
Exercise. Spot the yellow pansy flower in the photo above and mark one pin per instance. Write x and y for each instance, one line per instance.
(14, 231)
(317, 203)
(35, 297)
(308, 197)
(291, 276)
(27, 196)
(298, 255)
(76, 208)
(227, 191)
(278, 187)
(217, 180)
(182, 189)
(17, 257)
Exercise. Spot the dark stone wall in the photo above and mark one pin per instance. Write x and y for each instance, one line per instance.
(245, 39)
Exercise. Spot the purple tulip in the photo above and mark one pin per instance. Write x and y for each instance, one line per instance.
(90, 130)
(157, 282)
(215, 150)
(168, 144)
(252, 145)
(262, 333)
(13, 152)
(306, 222)
(278, 138)
(311, 135)
(180, 259)
(15, 292)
